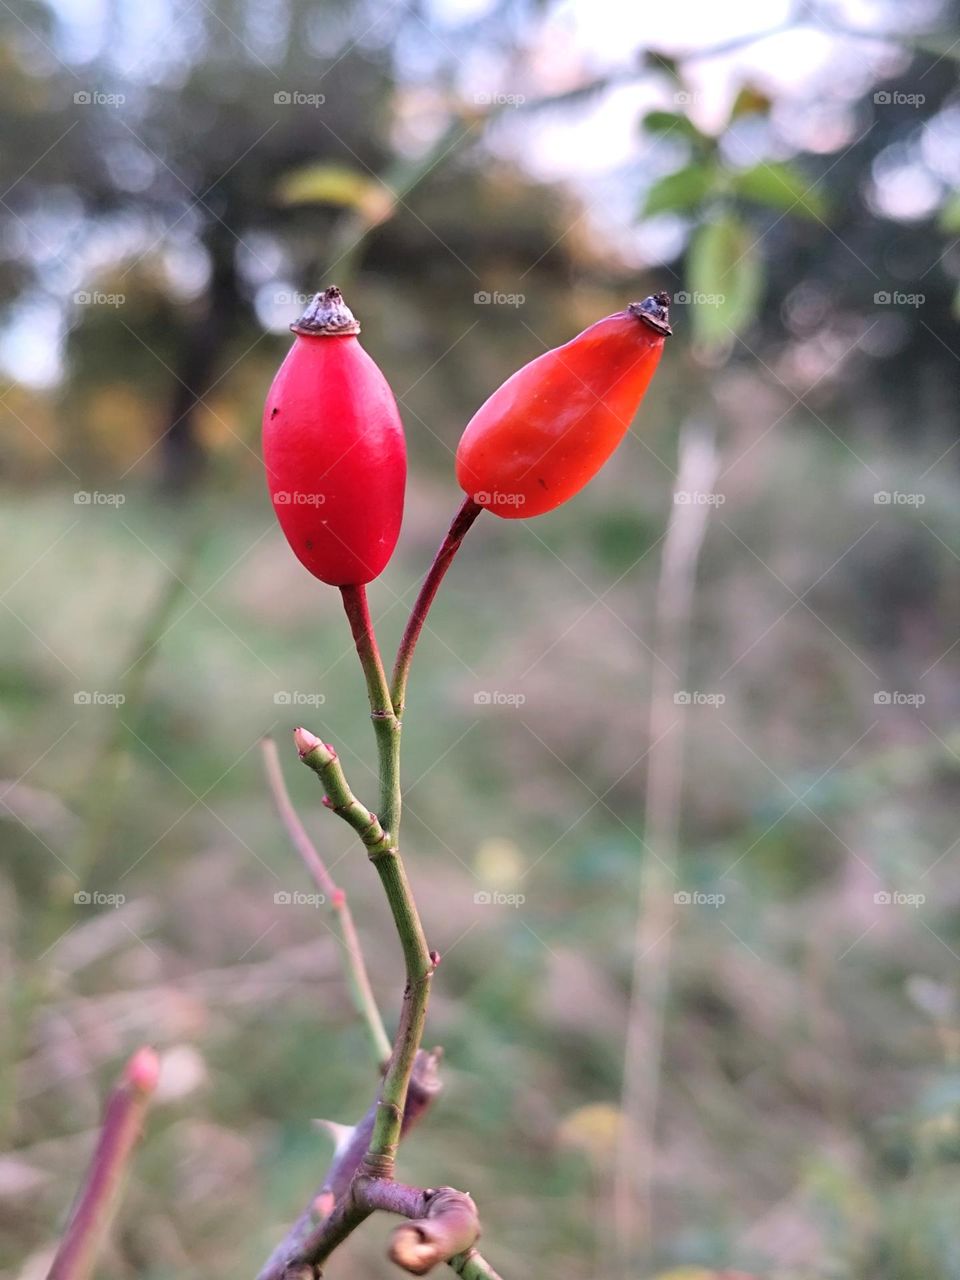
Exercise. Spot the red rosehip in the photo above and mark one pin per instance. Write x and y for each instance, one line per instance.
(334, 449)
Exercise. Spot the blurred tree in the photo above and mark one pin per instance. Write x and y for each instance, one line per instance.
(240, 150)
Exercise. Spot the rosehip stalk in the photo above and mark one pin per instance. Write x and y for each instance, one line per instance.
(334, 450)
(547, 431)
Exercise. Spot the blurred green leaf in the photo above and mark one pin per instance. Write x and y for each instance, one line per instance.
(780, 186)
(683, 190)
(949, 219)
(750, 102)
(673, 123)
(725, 277)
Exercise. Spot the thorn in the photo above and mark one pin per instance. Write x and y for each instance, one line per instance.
(337, 899)
(328, 803)
(435, 957)
(340, 1133)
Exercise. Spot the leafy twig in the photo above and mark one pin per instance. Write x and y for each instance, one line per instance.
(359, 978)
(96, 1204)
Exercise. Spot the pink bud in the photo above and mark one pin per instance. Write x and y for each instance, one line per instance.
(305, 740)
(143, 1070)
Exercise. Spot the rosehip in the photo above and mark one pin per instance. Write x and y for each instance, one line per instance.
(334, 450)
(550, 427)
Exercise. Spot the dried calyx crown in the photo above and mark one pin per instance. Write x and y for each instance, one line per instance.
(654, 311)
(327, 315)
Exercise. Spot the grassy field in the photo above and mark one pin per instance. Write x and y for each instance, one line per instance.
(810, 1082)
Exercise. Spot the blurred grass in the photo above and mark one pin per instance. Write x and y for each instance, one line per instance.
(810, 1122)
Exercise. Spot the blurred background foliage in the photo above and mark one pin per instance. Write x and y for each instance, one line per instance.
(484, 179)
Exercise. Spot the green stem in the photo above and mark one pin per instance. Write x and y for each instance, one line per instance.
(420, 964)
(386, 723)
(363, 996)
(418, 960)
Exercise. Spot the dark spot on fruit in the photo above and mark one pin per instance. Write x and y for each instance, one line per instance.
(309, 544)
(541, 481)
(273, 414)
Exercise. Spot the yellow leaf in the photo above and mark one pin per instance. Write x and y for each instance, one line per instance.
(593, 1129)
(338, 185)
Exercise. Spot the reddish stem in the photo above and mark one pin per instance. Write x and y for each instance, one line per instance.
(468, 512)
(97, 1201)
